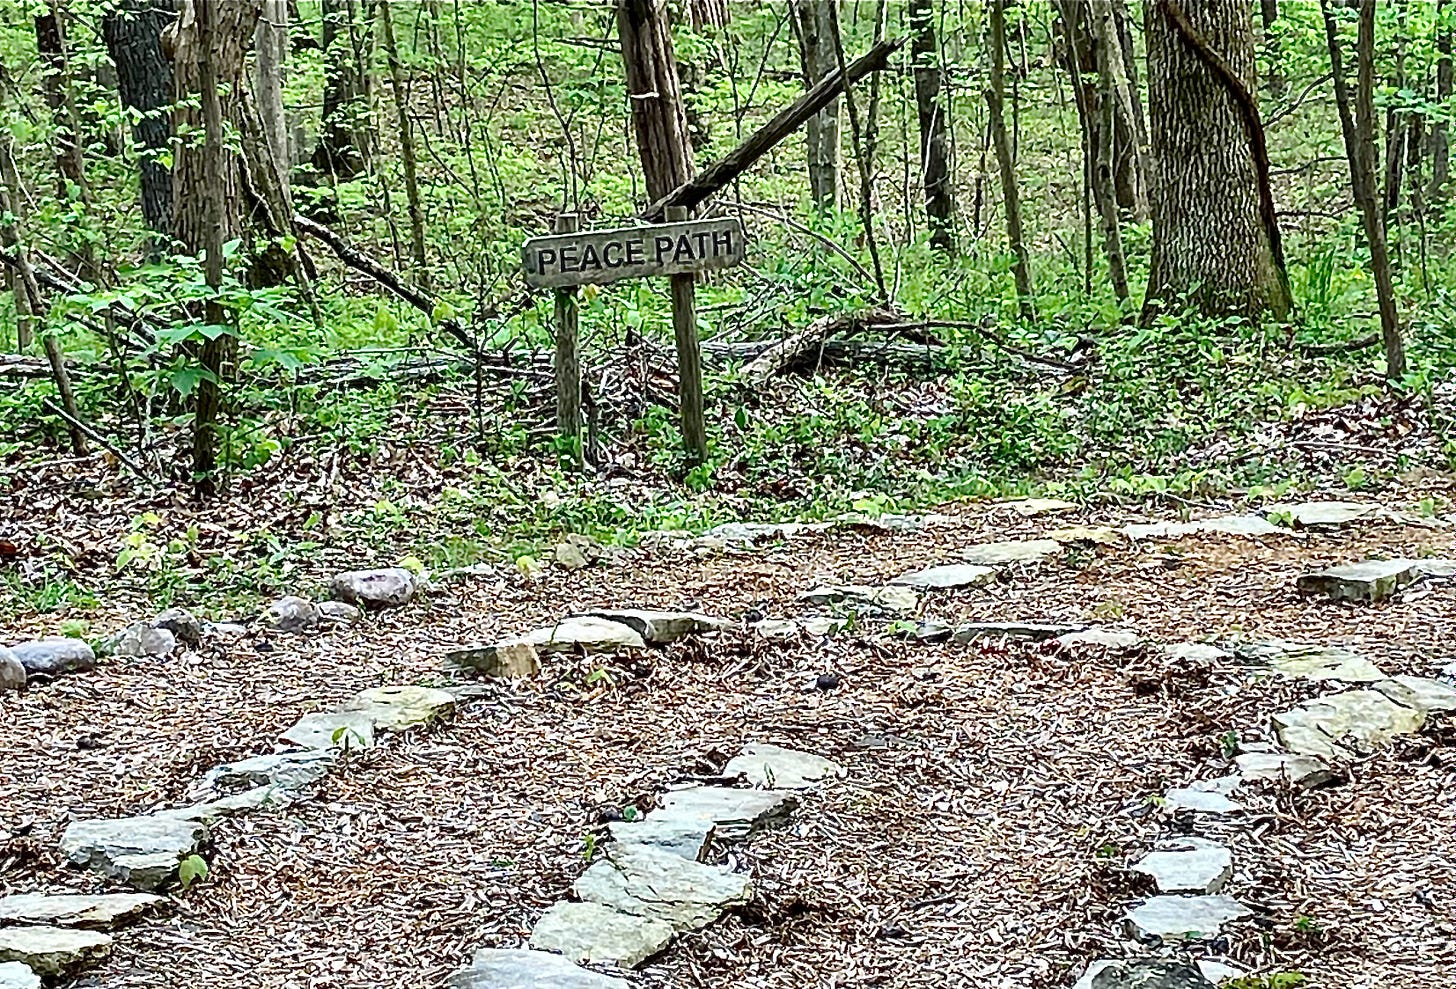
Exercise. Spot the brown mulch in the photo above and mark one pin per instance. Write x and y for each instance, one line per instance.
(994, 795)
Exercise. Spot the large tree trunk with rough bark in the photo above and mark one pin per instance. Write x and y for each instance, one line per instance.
(658, 119)
(270, 57)
(934, 127)
(814, 25)
(1215, 242)
(133, 31)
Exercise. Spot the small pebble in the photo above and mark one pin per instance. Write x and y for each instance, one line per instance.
(826, 681)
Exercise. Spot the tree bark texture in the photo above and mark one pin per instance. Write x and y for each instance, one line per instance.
(1215, 246)
(814, 26)
(705, 14)
(133, 32)
(1010, 193)
(658, 120)
(339, 154)
(935, 170)
(271, 56)
(1104, 173)
(56, 80)
(406, 148)
(1438, 143)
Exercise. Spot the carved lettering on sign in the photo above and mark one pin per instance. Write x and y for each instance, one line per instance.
(596, 257)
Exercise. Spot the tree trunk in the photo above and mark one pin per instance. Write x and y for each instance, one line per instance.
(934, 128)
(133, 31)
(1215, 242)
(1010, 194)
(407, 149)
(704, 14)
(1104, 174)
(70, 155)
(338, 154)
(658, 119)
(210, 47)
(271, 45)
(814, 25)
(1438, 145)
(1357, 124)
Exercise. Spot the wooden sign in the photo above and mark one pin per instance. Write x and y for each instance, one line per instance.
(596, 257)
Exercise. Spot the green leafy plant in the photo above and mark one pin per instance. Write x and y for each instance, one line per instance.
(192, 869)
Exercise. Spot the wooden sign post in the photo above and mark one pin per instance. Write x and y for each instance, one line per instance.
(677, 249)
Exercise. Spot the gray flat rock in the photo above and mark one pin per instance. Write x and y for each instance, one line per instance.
(232, 805)
(53, 950)
(104, 911)
(1419, 693)
(1436, 569)
(1183, 918)
(1206, 796)
(823, 625)
(734, 813)
(1301, 770)
(649, 882)
(332, 730)
(771, 766)
(1087, 536)
(1229, 525)
(340, 612)
(12, 671)
(1187, 865)
(585, 634)
(1370, 581)
(1196, 653)
(947, 577)
(287, 770)
(54, 656)
(1112, 639)
(661, 627)
(183, 624)
(594, 934)
(890, 597)
(141, 851)
(1151, 973)
(375, 590)
(1334, 725)
(1027, 631)
(140, 641)
(290, 614)
(777, 629)
(511, 659)
(1032, 507)
(679, 834)
(1002, 554)
(1214, 972)
(1311, 662)
(14, 975)
(519, 968)
(396, 708)
(1321, 514)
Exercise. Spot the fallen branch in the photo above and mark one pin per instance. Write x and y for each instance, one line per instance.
(99, 440)
(1348, 346)
(796, 349)
(918, 356)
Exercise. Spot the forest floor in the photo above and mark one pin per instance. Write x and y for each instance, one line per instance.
(994, 796)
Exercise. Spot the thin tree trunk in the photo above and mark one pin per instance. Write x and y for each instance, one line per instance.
(133, 32)
(24, 324)
(814, 25)
(1133, 172)
(1357, 124)
(866, 187)
(271, 45)
(1105, 172)
(338, 153)
(407, 148)
(1438, 145)
(658, 119)
(930, 107)
(1010, 194)
(70, 158)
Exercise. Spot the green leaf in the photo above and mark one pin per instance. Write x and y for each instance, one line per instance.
(190, 870)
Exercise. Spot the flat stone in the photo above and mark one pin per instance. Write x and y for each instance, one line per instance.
(595, 934)
(1311, 662)
(12, 671)
(14, 975)
(890, 597)
(1321, 514)
(1230, 525)
(1301, 770)
(1419, 693)
(1087, 536)
(1012, 551)
(1111, 639)
(570, 556)
(661, 627)
(777, 629)
(104, 912)
(333, 730)
(823, 625)
(291, 614)
(144, 641)
(232, 805)
(1370, 581)
(585, 634)
(1187, 865)
(512, 660)
(1200, 801)
(519, 968)
(680, 834)
(947, 577)
(648, 882)
(54, 656)
(1196, 652)
(735, 814)
(141, 851)
(286, 770)
(1028, 631)
(1182, 918)
(1325, 726)
(770, 766)
(375, 590)
(1031, 507)
(183, 625)
(340, 612)
(1436, 569)
(1152, 973)
(52, 950)
(396, 708)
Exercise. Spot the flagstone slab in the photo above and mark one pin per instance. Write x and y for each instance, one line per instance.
(1311, 662)
(1370, 581)
(285, 770)
(141, 851)
(598, 935)
(1231, 525)
(1184, 918)
(14, 975)
(395, 708)
(1301, 770)
(652, 883)
(684, 835)
(1032, 507)
(890, 597)
(1112, 639)
(104, 911)
(735, 813)
(521, 968)
(658, 628)
(511, 659)
(1027, 631)
(1419, 693)
(53, 951)
(947, 577)
(771, 766)
(1155, 973)
(1012, 551)
(1322, 514)
(1332, 725)
(332, 730)
(585, 634)
(1187, 865)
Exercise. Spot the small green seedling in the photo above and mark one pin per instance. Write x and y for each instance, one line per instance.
(190, 870)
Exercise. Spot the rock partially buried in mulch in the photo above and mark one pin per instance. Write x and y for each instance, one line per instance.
(777, 629)
(1205, 796)
(599, 935)
(585, 634)
(947, 577)
(1328, 726)
(1310, 662)
(1436, 569)
(683, 835)
(648, 882)
(1301, 770)
(1031, 507)
(52, 950)
(1087, 536)
(143, 641)
(823, 625)
(518, 968)
(396, 708)
(1419, 693)
(1230, 525)
(1009, 552)
(54, 656)
(890, 597)
(103, 912)
(291, 614)
(246, 802)
(1182, 918)
(510, 660)
(1154, 973)
(1111, 639)
(14, 975)
(771, 766)
(141, 851)
(332, 730)
(1196, 652)
(1370, 581)
(340, 612)
(658, 628)
(375, 590)
(735, 814)
(1187, 865)
(182, 624)
(285, 770)
(1026, 631)
(1322, 514)
(12, 672)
